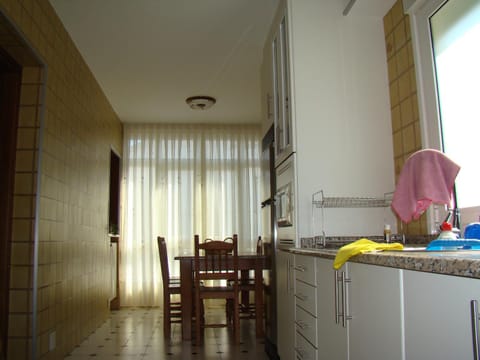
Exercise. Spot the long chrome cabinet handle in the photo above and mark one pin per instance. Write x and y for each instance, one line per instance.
(475, 318)
(337, 311)
(346, 317)
(292, 278)
(288, 276)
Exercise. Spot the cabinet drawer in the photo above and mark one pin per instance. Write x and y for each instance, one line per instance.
(303, 349)
(305, 297)
(306, 325)
(305, 269)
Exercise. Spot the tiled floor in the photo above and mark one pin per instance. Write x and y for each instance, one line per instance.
(137, 333)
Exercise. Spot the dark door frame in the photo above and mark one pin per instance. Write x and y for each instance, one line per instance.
(10, 82)
(114, 220)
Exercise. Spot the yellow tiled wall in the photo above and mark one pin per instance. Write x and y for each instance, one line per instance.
(403, 96)
(69, 159)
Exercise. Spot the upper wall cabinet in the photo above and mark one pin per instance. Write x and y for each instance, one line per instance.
(327, 74)
(281, 93)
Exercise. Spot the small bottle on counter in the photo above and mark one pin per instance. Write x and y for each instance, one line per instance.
(387, 232)
(447, 232)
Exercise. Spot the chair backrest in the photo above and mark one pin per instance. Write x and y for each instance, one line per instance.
(162, 249)
(216, 260)
(259, 246)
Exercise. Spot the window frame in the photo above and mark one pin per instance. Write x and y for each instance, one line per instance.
(420, 12)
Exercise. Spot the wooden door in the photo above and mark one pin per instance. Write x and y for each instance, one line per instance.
(10, 78)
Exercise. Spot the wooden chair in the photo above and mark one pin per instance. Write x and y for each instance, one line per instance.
(171, 286)
(247, 286)
(216, 260)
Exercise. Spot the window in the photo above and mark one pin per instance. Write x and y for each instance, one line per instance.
(181, 180)
(446, 35)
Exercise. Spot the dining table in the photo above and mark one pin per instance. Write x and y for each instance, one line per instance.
(246, 263)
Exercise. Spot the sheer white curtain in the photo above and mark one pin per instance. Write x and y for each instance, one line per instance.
(181, 180)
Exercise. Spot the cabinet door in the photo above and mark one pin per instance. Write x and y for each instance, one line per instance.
(285, 305)
(332, 336)
(438, 321)
(376, 310)
(281, 93)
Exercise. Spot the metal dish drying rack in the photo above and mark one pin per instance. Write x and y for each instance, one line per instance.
(319, 200)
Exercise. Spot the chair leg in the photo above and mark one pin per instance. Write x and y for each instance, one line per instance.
(166, 316)
(229, 311)
(198, 319)
(236, 321)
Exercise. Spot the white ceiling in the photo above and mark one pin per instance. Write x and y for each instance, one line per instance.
(150, 55)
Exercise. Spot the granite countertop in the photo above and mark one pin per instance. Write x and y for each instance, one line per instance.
(458, 263)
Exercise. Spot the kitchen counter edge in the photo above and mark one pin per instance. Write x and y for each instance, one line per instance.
(465, 264)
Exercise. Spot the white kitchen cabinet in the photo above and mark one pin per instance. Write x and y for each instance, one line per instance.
(335, 102)
(376, 311)
(281, 92)
(370, 298)
(266, 90)
(438, 319)
(305, 307)
(332, 336)
(285, 305)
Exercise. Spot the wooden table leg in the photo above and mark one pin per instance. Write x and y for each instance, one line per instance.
(186, 282)
(245, 301)
(258, 299)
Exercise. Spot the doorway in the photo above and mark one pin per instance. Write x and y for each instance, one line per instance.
(10, 80)
(114, 228)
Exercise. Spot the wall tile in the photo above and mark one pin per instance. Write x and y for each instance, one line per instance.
(18, 325)
(20, 277)
(28, 116)
(399, 35)
(409, 138)
(404, 90)
(25, 160)
(24, 183)
(21, 253)
(396, 119)
(402, 60)
(390, 46)
(80, 129)
(19, 301)
(22, 207)
(406, 111)
(392, 68)
(388, 23)
(397, 142)
(29, 94)
(397, 12)
(19, 348)
(394, 93)
(22, 230)
(403, 95)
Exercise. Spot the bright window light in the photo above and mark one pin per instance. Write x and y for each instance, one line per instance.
(456, 40)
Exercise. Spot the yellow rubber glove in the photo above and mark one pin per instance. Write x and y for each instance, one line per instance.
(360, 247)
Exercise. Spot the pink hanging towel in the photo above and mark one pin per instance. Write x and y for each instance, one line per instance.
(427, 176)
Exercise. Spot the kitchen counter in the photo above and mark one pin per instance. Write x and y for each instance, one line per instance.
(458, 263)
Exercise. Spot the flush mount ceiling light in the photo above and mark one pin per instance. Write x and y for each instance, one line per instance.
(200, 102)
